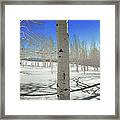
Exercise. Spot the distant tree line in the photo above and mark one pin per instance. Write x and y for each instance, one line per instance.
(81, 54)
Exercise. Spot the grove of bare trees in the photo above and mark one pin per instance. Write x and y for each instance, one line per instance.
(84, 55)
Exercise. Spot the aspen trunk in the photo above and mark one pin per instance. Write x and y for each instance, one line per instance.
(84, 69)
(63, 84)
(38, 64)
(77, 67)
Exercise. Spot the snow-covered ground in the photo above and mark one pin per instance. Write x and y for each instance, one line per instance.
(40, 83)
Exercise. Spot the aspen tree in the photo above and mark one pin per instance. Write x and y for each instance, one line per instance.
(63, 84)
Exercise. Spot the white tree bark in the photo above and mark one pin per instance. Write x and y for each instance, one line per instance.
(63, 84)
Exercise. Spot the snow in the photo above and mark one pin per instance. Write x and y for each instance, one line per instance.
(37, 82)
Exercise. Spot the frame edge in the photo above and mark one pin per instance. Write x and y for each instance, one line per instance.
(2, 64)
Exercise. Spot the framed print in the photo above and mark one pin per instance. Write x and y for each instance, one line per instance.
(60, 59)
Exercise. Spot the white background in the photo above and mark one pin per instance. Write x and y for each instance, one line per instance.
(13, 15)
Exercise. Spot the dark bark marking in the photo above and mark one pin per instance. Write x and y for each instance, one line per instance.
(63, 75)
(67, 34)
(60, 50)
(59, 87)
(66, 89)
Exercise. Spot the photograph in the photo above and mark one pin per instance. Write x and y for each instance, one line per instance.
(59, 59)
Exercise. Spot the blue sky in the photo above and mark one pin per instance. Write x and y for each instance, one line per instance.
(88, 30)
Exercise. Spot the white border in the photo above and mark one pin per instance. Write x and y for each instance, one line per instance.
(13, 15)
